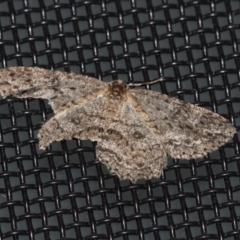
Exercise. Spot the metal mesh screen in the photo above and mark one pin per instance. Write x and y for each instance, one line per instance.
(64, 192)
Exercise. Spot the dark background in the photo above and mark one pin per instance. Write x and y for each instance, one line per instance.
(64, 192)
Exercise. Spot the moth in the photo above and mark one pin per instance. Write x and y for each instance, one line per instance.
(135, 129)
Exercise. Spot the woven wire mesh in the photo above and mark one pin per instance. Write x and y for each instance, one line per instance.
(65, 192)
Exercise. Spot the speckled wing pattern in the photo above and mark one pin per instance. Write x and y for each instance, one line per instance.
(187, 131)
(58, 87)
(135, 129)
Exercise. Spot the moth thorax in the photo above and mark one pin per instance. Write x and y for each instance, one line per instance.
(117, 89)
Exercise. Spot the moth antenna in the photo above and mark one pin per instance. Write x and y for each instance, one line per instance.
(145, 83)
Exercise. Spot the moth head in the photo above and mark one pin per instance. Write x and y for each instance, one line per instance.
(117, 89)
